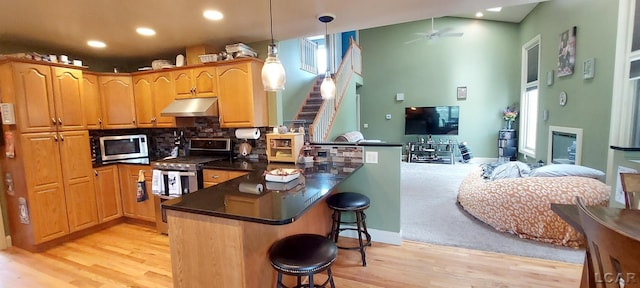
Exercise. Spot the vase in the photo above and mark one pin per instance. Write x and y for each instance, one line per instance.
(508, 125)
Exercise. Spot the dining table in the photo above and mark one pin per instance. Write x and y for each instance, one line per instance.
(624, 220)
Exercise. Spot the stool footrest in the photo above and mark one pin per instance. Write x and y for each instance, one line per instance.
(366, 234)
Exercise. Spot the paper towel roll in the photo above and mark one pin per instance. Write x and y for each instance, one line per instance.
(253, 188)
(248, 133)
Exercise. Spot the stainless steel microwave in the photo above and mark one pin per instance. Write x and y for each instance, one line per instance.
(123, 147)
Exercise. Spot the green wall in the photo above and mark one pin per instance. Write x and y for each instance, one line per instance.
(588, 101)
(298, 81)
(486, 60)
(346, 119)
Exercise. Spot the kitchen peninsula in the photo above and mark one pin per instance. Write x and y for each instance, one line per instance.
(221, 235)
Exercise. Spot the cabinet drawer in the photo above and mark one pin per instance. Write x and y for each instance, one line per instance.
(507, 142)
(507, 134)
(214, 176)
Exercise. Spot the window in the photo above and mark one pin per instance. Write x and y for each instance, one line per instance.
(634, 73)
(529, 97)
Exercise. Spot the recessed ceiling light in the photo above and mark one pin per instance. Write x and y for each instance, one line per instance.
(213, 15)
(479, 14)
(96, 44)
(496, 9)
(146, 31)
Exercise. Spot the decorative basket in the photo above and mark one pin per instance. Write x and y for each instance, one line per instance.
(206, 58)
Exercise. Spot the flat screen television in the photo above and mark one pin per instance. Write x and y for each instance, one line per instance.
(437, 120)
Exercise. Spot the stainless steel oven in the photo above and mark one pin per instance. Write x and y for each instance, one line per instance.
(186, 169)
(123, 147)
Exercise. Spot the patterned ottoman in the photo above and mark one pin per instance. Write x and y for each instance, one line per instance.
(522, 206)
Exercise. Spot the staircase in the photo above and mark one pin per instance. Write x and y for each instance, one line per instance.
(317, 114)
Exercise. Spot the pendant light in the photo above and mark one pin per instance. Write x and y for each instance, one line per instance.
(273, 76)
(328, 87)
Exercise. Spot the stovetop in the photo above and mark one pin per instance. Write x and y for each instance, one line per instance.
(185, 163)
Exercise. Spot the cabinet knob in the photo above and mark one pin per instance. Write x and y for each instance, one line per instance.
(53, 120)
(55, 138)
(133, 121)
(95, 172)
(59, 121)
(215, 176)
(100, 121)
(61, 138)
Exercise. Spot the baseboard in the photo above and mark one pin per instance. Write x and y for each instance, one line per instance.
(393, 238)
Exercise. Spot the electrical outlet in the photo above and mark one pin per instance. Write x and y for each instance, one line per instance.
(365, 125)
(388, 117)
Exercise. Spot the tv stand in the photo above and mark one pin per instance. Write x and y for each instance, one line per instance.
(431, 152)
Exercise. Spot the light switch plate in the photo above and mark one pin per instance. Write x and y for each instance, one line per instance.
(388, 116)
(371, 157)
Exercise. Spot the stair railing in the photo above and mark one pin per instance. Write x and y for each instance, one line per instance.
(351, 63)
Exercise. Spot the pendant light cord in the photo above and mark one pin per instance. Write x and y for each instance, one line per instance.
(271, 21)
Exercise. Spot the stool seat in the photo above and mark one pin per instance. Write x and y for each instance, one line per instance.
(303, 255)
(347, 201)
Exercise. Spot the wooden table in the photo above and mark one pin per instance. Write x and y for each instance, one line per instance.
(624, 220)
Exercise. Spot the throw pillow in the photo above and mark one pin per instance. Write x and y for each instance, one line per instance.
(515, 169)
(558, 170)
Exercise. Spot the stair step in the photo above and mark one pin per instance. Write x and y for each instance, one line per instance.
(311, 108)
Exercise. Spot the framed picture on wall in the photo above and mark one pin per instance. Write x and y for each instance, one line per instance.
(567, 52)
(462, 93)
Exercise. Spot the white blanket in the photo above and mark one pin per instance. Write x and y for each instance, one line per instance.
(175, 185)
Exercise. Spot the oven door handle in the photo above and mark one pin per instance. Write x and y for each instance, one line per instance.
(181, 173)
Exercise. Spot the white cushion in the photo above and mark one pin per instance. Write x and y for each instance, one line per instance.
(558, 170)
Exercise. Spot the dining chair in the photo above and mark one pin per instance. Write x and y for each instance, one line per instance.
(631, 188)
(613, 257)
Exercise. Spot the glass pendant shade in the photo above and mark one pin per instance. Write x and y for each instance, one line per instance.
(273, 75)
(328, 87)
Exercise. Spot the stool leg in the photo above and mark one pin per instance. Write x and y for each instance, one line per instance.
(331, 278)
(364, 225)
(359, 223)
(279, 283)
(337, 231)
(311, 281)
(333, 226)
(299, 281)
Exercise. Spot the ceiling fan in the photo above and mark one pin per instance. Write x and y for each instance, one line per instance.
(435, 34)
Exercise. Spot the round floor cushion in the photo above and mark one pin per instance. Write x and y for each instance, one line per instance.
(522, 206)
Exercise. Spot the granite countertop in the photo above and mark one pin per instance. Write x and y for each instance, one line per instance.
(277, 204)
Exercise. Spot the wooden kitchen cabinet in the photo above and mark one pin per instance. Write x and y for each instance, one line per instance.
(242, 101)
(195, 82)
(61, 195)
(117, 102)
(213, 177)
(284, 147)
(91, 101)
(47, 98)
(144, 210)
(153, 92)
(108, 198)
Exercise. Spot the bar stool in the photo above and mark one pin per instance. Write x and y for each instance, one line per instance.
(303, 255)
(350, 202)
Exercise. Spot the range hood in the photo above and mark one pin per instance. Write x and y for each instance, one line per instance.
(192, 107)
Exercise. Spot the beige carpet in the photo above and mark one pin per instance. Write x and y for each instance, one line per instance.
(430, 213)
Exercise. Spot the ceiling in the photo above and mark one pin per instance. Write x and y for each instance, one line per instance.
(67, 25)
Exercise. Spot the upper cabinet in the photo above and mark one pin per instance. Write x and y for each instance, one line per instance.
(195, 82)
(91, 100)
(153, 92)
(117, 101)
(242, 101)
(48, 98)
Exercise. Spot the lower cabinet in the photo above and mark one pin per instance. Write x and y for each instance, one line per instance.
(214, 176)
(248, 204)
(107, 186)
(144, 210)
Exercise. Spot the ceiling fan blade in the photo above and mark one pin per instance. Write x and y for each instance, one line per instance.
(414, 40)
(459, 34)
(444, 30)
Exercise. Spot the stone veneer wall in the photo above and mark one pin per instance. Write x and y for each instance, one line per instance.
(161, 140)
(338, 153)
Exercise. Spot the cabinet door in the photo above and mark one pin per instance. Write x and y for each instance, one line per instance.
(67, 91)
(34, 98)
(206, 82)
(107, 185)
(91, 101)
(144, 100)
(118, 104)
(163, 95)
(46, 196)
(284, 147)
(78, 176)
(183, 82)
(144, 210)
(241, 100)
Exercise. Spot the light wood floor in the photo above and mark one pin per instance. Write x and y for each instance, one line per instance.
(127, 255)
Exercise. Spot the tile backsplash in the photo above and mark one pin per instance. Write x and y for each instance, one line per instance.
(161, 140)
